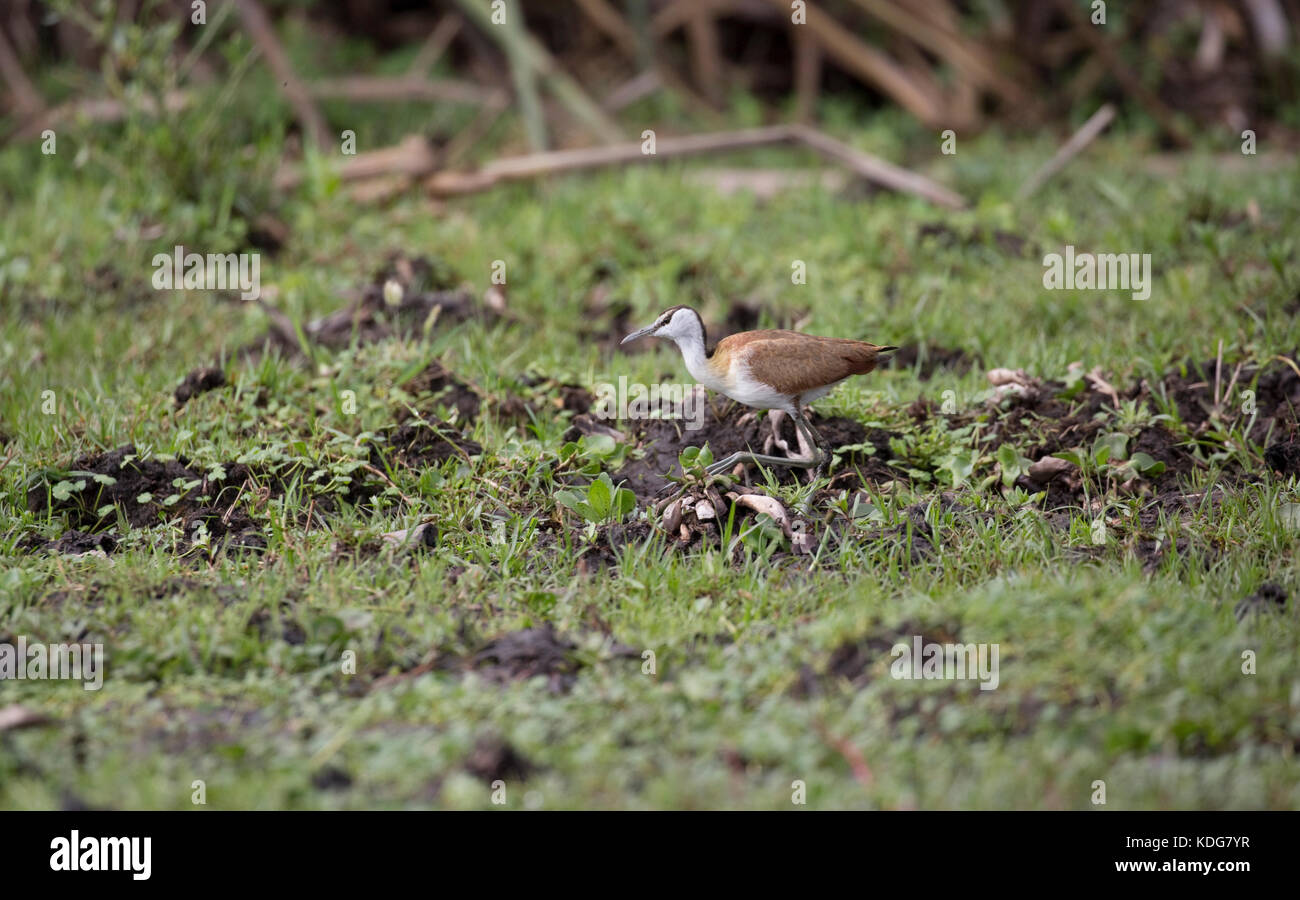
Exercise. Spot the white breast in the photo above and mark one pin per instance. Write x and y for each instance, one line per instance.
(742, 387)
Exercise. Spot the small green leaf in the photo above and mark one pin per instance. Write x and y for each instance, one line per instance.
(1146, 465)
(599, 444)
(570, 499)
(624, 502)
(960, 465)
(598, 495)
(1114, 445)
(144, 498)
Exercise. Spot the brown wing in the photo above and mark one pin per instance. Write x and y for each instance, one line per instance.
(793, 362)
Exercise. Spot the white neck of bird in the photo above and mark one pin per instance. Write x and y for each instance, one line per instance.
(692, 346)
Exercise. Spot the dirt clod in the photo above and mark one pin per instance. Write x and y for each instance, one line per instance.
(1284, 457)
(331, 778)
(71, 543)
(228, 529)
(446, 391)
(420, 444)
(200, 381)
(139, 487)
(1270, 598)
(494, 759)
(529, 653)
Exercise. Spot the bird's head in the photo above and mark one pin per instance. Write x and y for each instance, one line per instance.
(678, 324)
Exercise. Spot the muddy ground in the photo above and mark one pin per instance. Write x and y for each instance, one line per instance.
(220, 508)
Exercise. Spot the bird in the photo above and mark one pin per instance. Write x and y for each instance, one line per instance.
(767, 369)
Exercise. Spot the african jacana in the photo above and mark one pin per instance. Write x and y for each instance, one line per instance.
(780, 370)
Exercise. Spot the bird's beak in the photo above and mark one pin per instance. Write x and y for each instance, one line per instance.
(637, 334)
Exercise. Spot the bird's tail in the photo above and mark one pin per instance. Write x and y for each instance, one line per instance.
(885, 349)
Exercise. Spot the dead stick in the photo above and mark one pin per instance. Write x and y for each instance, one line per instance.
(439, 40)
(807, 76)
(868, 64)
(524, 77)
(675, 15)
(365, 89)
(471, 134)
(1070, 149)
(523, 167)
(706, 57)
(965, 56)
(638, 87)
(611, 24)
(1094, 37)
(263, 35)
(565, 89)
(27, 100)
(877, 170)
(870, 167)
(413, 157)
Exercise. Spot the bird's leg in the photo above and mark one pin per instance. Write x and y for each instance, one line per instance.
(805, 448)
(774, 439)
(821, 455)
(816, 459)
(761, 459)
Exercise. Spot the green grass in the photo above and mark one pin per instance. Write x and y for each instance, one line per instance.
(229, 670)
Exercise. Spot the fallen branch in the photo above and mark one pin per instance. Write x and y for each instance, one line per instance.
(1095, 125)
(518, 168)
(263, 35)
(413, 157)
(366, 89)
(877, 170)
